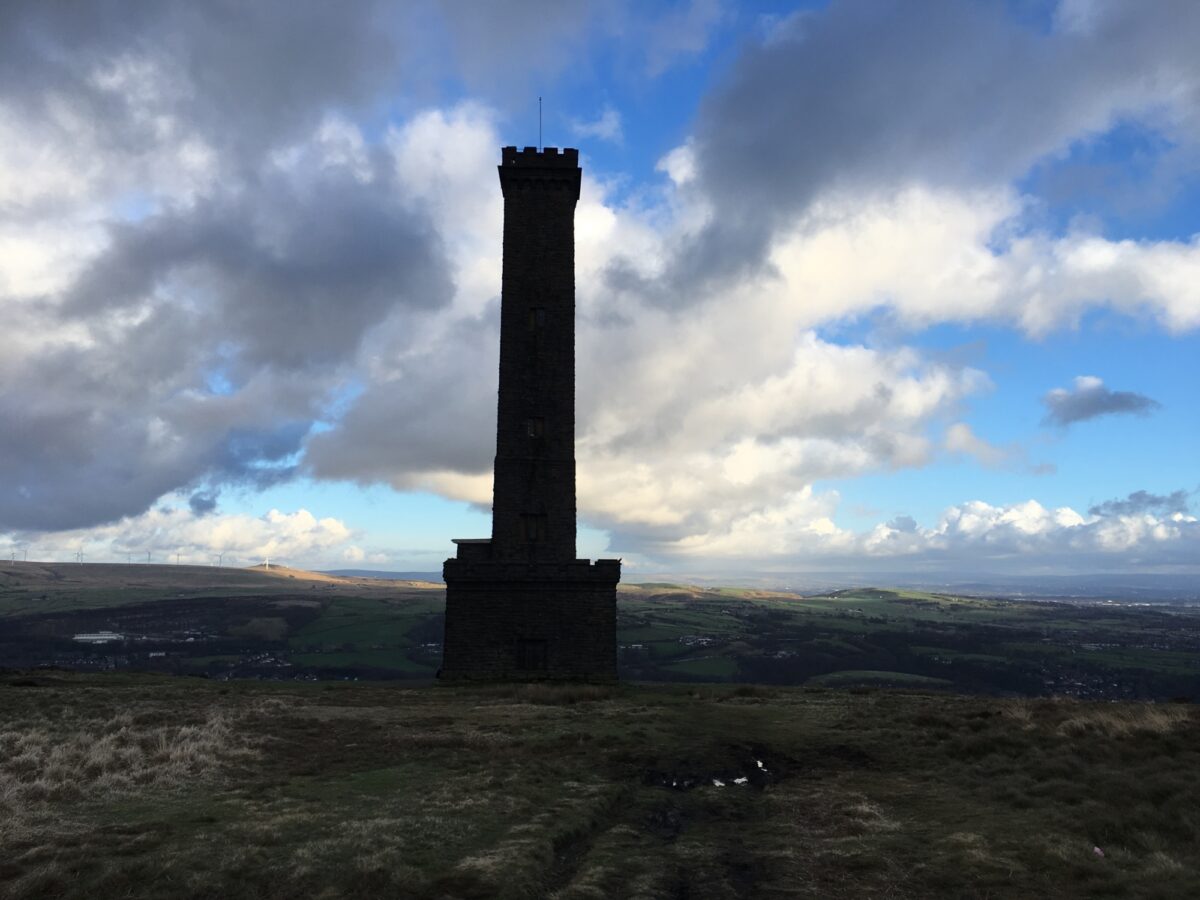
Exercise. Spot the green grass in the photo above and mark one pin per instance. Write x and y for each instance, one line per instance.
(209, 660)
(143, 787)
(667, 649)
(713, 667)
(1142, 658)
(871, 676)
(355, 620)
(378, 659)
(945, 653)
(22, 603)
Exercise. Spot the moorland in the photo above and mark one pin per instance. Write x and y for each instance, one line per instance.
(141, 786)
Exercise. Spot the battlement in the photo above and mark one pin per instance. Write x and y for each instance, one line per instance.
(548, 157)
(471, 566)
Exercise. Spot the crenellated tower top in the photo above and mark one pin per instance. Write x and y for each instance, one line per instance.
(532, 157)
(547, 169)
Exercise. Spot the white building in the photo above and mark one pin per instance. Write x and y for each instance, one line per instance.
(99, 637)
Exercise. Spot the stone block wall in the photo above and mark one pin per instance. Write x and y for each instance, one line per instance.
(526, 622)
(533, 504)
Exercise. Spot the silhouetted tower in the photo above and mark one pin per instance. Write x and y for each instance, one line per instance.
(520, 605)
(533, 507)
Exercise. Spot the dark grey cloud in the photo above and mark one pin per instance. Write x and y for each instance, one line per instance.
(294, 274)
(509, 52)
(1143, 502)
(81, 448)
(873, 96)
(245, 307)
(1090, 399)
(219, 318)
(203, 502)
(436, 411)
(246, 75)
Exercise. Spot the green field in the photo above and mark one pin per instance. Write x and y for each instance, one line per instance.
(872, 677)
(677, 632)
(709, 668)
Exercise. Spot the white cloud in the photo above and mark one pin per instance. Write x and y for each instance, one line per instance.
(970, 538)
(961, 440)
(723, 430)
(445, 165)
(605, 127)
(679, 164)
(171, 532)
(968, 256)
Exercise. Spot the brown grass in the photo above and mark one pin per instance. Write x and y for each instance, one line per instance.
(93, 759)
(1126, 720)
(143, 788)
(550, 694)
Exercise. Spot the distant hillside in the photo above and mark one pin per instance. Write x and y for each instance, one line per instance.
(1140, 587)
(59, 576)
(432, 577)
(31, 587)
(287, 624)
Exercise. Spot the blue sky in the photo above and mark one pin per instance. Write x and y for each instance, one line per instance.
(861, 285)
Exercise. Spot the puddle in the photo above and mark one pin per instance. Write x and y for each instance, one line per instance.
(741, 768)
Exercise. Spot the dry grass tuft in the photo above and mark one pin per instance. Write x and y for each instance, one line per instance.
(867, 817)
(1126, 720)
(1163, 863)
(1019, 712)
(40, 763)
(471, 738)
(546, 694)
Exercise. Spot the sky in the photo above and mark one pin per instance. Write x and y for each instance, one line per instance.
(861, 286)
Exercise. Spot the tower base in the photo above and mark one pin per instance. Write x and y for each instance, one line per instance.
(546, 621)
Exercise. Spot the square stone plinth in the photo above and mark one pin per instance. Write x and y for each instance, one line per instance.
(540, 621)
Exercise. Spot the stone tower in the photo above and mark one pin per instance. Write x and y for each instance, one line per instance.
(520, 605)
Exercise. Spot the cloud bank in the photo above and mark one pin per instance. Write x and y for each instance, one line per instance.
(229, 255)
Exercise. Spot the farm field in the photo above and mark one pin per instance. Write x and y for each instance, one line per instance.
(877, 636)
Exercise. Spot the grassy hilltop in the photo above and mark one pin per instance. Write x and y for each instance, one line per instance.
(144, 786)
